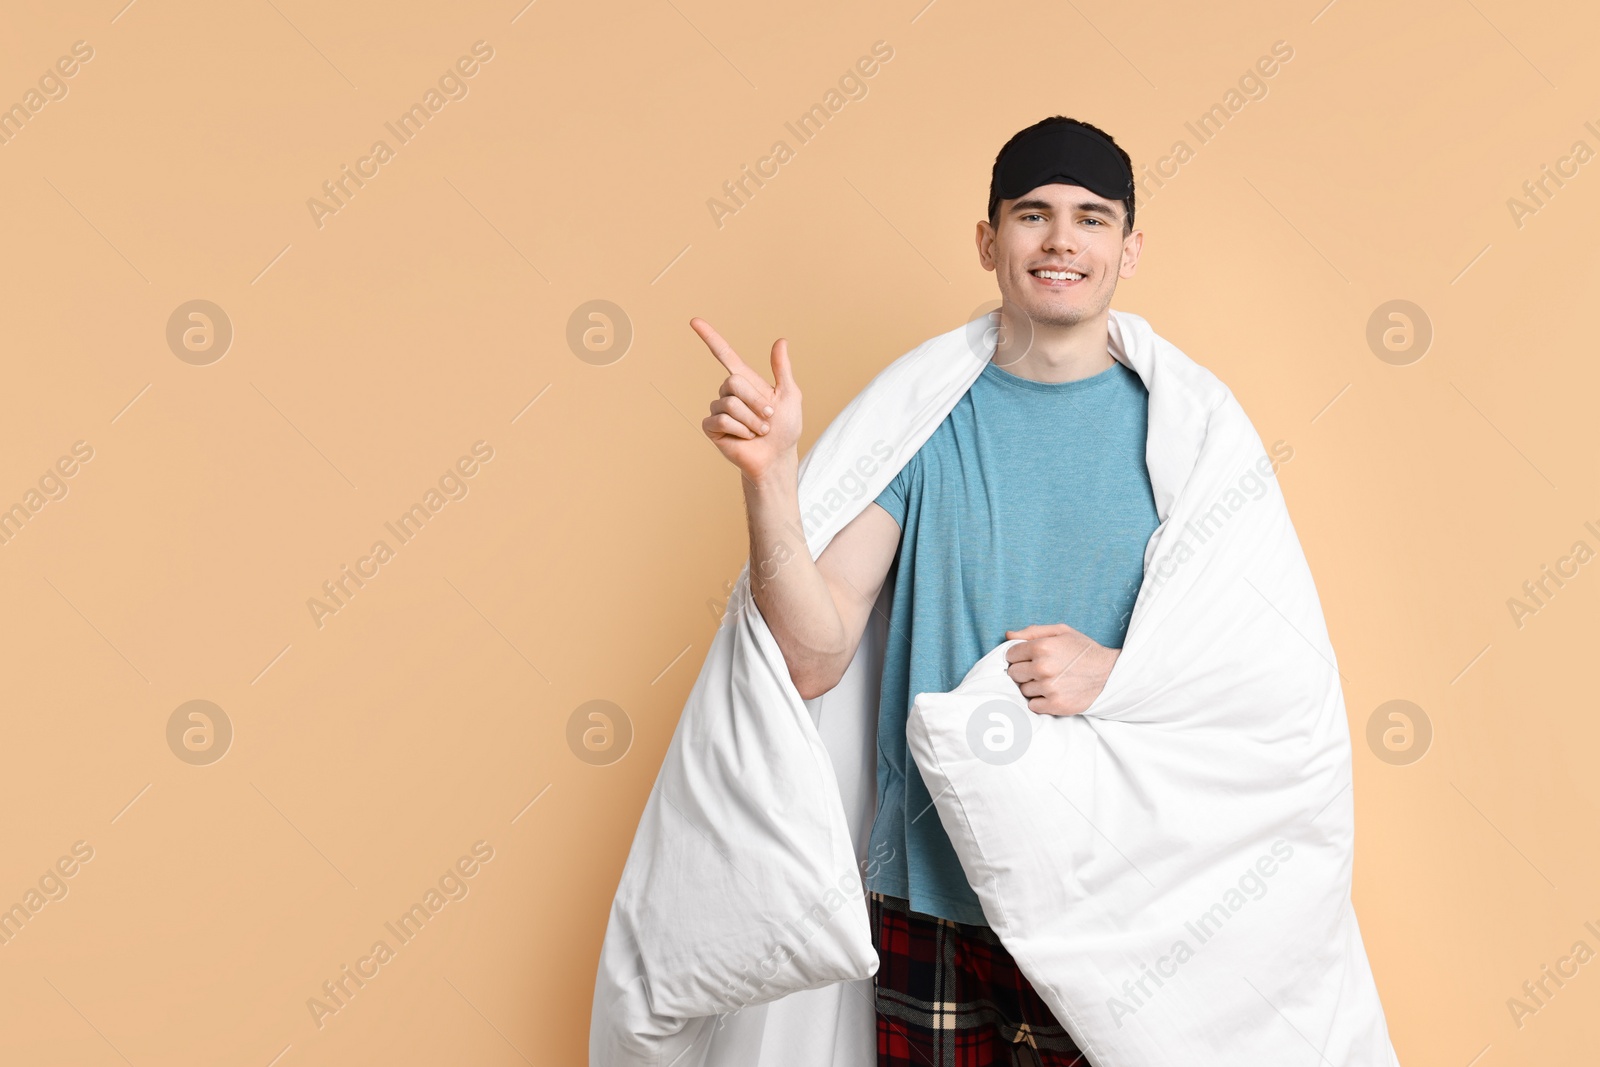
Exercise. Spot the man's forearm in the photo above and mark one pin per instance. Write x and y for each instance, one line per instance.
(785, 582)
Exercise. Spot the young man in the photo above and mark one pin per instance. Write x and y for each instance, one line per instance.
(1025, 515)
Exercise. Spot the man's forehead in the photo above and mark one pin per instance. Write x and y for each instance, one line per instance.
(1060, 194)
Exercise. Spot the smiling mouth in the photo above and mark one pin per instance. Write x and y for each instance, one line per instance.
(1057, 279)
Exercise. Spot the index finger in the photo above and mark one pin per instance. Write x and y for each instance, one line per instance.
(719, 348)
(1021, 652)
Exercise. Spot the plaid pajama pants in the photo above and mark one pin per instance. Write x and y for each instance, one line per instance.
(950, 995)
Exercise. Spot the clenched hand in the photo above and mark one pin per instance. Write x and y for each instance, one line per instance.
(1060, 670)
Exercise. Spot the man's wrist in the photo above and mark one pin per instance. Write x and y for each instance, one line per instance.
(782, 476)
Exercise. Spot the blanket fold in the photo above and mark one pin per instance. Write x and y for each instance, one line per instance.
(1171, 869)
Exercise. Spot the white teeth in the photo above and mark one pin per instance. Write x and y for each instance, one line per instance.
(1057, 275)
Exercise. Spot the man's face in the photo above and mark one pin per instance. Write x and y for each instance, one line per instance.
(1054, 229)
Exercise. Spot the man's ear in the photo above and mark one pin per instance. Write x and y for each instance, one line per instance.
(985, 237)
(1132, 245)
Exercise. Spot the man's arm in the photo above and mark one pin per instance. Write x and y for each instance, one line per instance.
(817, 609)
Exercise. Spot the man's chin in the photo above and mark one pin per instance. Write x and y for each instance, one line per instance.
(1056, 315)
(1063, 311)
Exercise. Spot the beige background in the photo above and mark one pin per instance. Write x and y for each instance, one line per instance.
(588, 556)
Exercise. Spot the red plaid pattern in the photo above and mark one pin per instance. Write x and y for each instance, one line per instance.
(950, 995)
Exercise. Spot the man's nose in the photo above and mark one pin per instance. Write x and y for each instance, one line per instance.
(1061, 238)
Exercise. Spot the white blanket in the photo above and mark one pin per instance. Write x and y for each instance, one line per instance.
(1170, 869)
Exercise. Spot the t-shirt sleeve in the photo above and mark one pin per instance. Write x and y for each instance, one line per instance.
(893, 497)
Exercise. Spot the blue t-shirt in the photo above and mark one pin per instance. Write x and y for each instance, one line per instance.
(1030, 503)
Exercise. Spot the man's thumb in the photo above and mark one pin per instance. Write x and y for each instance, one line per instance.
(782, 367)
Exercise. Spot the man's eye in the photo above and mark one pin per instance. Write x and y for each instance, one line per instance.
(1033, 215)
(1095, 221)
